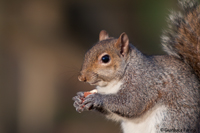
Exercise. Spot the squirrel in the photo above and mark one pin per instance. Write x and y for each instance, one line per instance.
(147, 94)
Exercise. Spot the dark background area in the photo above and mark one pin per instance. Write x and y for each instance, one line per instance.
(42, 46)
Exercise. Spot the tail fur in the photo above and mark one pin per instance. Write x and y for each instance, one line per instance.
(182, 40)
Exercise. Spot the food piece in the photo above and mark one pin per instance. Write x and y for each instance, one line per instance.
(90, 92)
(93, 91)
(87, 93)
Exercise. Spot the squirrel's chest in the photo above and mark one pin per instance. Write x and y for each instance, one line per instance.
(149, 123)
(112, 88)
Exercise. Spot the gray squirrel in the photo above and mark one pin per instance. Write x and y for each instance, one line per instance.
(147, 94)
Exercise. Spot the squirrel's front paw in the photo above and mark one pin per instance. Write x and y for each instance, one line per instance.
(78, 101)
(92, 101)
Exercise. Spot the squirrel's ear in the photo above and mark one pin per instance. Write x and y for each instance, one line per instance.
(123, 44)
(103, 35)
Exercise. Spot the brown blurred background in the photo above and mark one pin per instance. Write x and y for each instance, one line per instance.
(42, 45)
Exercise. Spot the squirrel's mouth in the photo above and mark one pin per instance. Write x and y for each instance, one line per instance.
(95, 82)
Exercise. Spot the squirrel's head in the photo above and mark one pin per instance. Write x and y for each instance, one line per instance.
(106, 60)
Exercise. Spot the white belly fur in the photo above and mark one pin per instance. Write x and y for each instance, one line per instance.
(148, 123)
(112, 88)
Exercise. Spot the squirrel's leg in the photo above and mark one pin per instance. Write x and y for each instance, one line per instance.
(123, 105)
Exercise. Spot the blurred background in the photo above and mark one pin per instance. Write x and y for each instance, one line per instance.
(42, 46)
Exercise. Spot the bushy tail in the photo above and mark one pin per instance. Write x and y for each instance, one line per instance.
(182, 40)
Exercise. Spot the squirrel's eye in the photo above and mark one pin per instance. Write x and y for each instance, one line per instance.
(105, 59)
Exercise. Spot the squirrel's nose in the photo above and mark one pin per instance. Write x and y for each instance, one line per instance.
(81, 77)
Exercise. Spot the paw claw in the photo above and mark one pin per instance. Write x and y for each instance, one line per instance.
(80, 94)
